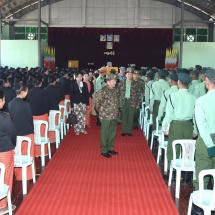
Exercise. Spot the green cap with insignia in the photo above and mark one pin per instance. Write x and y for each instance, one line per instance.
(184, 78)
(129, 70)
(111, 77)
(137, 72)
(210, 73)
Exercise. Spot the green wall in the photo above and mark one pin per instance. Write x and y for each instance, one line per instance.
(20, 53)
(201, 53)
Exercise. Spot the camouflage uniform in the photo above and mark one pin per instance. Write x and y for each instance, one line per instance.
(106, 103)
(127, 106)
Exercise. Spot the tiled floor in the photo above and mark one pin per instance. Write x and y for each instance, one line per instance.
(181, 204)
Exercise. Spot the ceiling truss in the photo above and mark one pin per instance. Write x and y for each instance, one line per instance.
(15, 9)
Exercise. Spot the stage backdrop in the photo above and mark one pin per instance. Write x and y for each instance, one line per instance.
(143, 47)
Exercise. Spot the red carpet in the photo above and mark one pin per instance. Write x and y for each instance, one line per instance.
(79, 181)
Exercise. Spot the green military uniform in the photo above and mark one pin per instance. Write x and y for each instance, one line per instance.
(192, 85)
(205, 120)
(179, 115)
(164, 98)
(191, 88)
(107, 104)
(141, 85)
(156, 93)
(129, 99)
(148, 87)
(200, 89)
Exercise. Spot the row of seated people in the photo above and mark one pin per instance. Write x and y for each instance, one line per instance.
(37, 104)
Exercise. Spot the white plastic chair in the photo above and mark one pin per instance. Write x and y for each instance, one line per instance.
(156, 133)
(5, 189)
(147, 122)
(42, 140)
(23, 161)
(162, 145)
(203, 198)
(55, 127)
(184, 163)
(62, 121)
(142, 113)
(67, 110)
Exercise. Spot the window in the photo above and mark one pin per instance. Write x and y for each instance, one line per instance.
(30, 33)
(191, 35)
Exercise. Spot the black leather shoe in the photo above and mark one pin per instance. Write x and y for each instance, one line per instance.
(106, 155)
(129, 134)
(123, 134)
(113, 152)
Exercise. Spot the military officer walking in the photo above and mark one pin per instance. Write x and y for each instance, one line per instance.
(178, 121)
(106, 103)
(158, 87)
(129, 100)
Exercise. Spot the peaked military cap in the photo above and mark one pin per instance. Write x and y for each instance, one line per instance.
(129, 70)
(122, 68)
(102, 70)
(173, 77)
(198, 67)
(136, 72)
(210, 73)
(203, 71)
(162, 73)
(184, 78)
(111, 77)
(150, 75)
(194, 72)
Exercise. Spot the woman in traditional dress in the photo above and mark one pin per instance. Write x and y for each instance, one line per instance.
(79, 102)
(22, 118)
(39, 106)
(90, 88)
(7, 145)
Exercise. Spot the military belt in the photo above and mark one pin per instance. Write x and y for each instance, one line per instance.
(182, 121)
